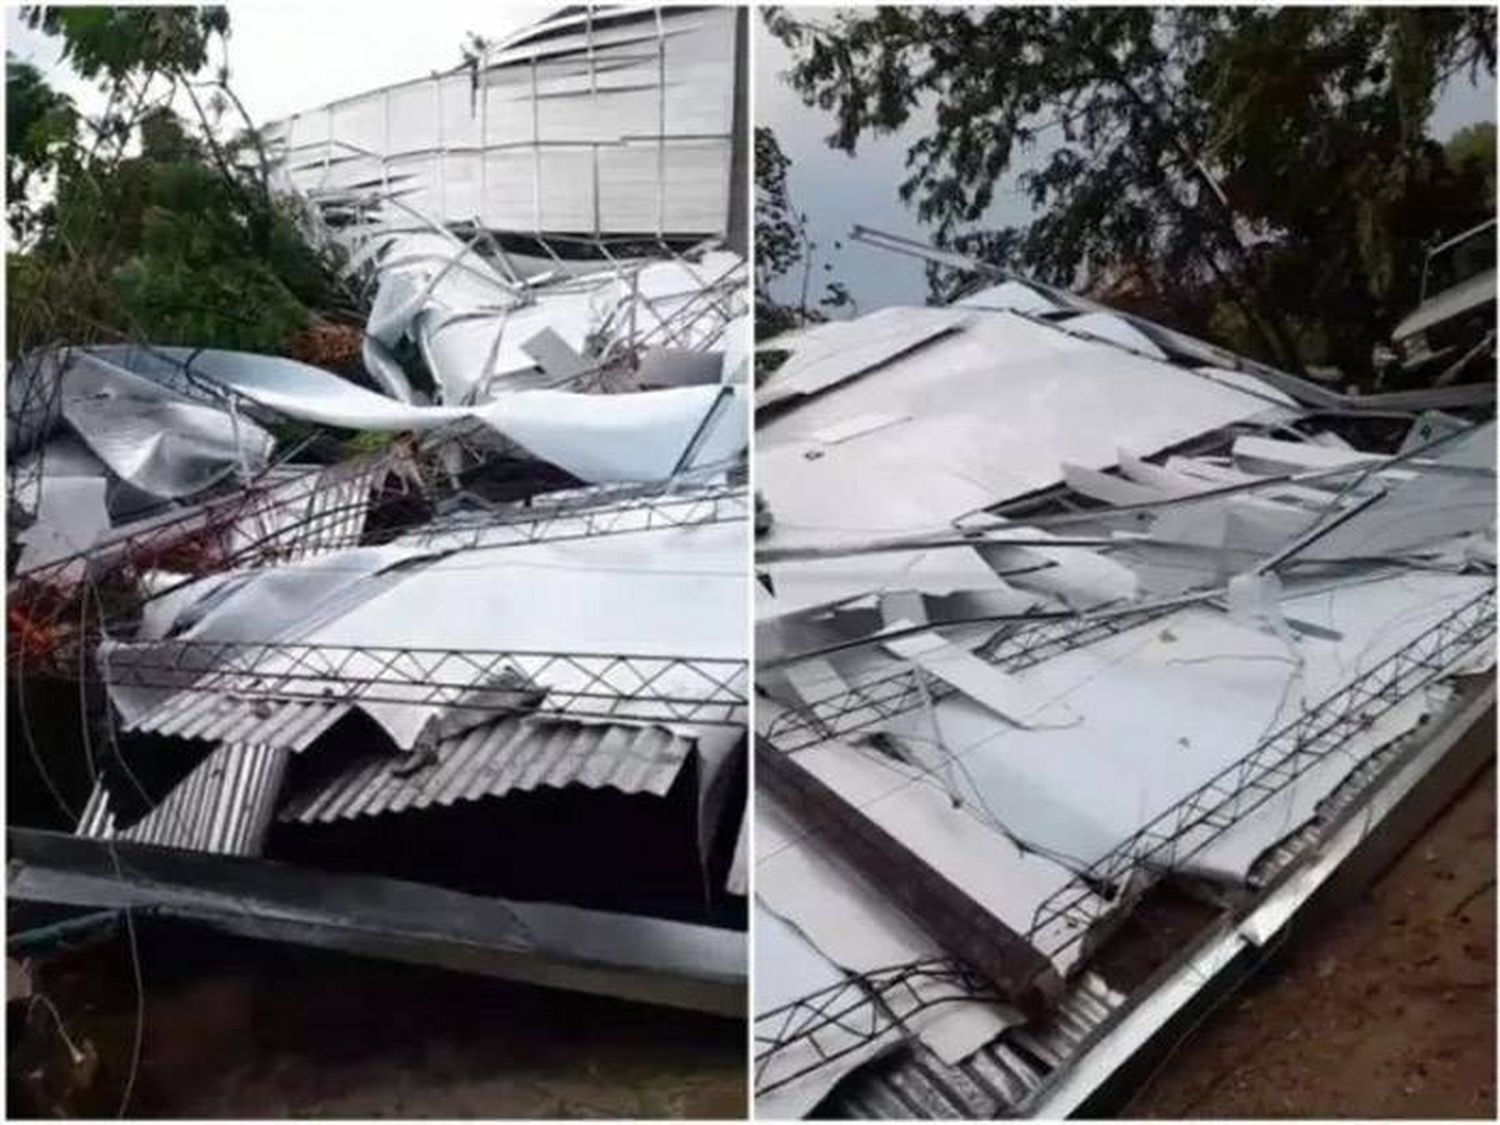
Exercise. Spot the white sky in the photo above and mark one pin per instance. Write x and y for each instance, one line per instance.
(286, 57)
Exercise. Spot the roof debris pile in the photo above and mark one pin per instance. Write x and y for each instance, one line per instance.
(377, 642)
(475, 694)
(1056, 606)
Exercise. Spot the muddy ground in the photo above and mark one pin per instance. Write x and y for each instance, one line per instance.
(243, 1029)
(1385, 1009)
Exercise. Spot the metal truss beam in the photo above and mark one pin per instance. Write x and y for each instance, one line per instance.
(622, 687)
(1180, 832)
(871, 704)
(857, 1011)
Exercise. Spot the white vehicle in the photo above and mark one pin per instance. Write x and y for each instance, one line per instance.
(1457, 313)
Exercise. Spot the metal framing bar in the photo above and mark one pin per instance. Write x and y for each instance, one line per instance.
(863, 1007)
(850, 1006)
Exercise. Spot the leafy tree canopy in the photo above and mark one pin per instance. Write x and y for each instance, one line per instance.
(1472, 150)
(778, 241)
(39, 124)
(139, 224)
(1265, 172)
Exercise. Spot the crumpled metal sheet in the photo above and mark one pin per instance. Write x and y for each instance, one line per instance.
(599, 594)
(982, 414)
(479, 332)
(471, 323)
(252, 605)
(146, 432)
(71, 514)
(629, 437)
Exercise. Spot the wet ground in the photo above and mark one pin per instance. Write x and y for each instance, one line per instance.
(242, 1029)
(1386, 1009)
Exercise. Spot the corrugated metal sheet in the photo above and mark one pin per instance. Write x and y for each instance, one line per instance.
(221, 717)
(994, 1081)
(493, 759)
(224, 805)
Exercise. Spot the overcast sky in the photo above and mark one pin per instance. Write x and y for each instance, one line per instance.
(837, 191)
(286, 56)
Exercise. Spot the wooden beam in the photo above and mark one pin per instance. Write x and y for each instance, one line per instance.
(959, 925)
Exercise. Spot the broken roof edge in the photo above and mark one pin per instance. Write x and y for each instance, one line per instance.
(1089, 1074)
(518, 38)
(1367, 835)
(1305, 391)
(632, 957)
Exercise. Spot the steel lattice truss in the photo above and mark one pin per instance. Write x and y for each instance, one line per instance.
(850, 1015)
(269, 522)
(858, 1011)
(1180, 832)
(606, 511)
(716, 302)
(874, 702)
(652, 689)
(313, 513)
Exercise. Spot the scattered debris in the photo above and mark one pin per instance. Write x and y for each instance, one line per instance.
(428, 642)
(1076, 607)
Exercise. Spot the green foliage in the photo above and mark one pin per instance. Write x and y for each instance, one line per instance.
(39, 126)
(368, 442)
(1268, 159)
(116, 43)
(779, 234)
(156, 231)
(1471, 150)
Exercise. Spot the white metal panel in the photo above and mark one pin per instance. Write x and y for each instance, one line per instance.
(787, 967)
(846, 349)
(848, 921)
(995, 410)
(1097, 763)
(639, 102)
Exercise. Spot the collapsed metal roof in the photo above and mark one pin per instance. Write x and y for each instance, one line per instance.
(520, 610)
(1055, 605)
(462, 334)
(352, 685)
(603, 122)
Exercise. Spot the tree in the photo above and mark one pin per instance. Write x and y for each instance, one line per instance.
(1473, 147)
(39, 125)
(1266, 167)
(156, 228)
(778, 234)
(782, 243)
